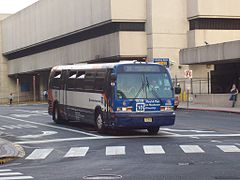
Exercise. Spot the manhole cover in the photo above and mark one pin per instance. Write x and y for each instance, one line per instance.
(102, 177)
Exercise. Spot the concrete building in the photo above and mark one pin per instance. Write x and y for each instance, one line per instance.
(53, 32)
(211, 22)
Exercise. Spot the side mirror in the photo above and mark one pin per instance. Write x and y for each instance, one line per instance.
(177, 90)
(113, 77)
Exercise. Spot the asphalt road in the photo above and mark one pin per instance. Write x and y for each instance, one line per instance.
(201, 145)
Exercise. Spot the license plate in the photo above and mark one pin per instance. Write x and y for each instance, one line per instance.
(147, 119)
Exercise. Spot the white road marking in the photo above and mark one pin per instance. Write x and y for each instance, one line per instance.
(39, 154)
(9, 127)
(191, 149)
(32, 112)
(27, 126)
(153, 149)
(16, 178)
(216, 141)
(3, 129)
(228, 148)
(10, 173)
(187, 130)
(77, 152)
(51, 126)
(7, 174)
(18, 126)
(126, 137)
(115, 150)
(44, 133)
(22, 115)
(5, 170)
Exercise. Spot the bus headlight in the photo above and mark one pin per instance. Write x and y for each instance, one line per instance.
(166, 108)
(124, 109)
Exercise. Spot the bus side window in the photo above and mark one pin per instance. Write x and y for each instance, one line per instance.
(89, 81)
(80, 80)
(56, 80)
(99, 81)
(71, 82)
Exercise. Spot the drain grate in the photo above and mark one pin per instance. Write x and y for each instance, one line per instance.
(102, 177)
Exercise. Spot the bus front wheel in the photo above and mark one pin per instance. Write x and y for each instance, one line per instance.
(99, 122)
(153, 130)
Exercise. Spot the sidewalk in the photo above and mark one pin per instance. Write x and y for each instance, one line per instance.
(9, 151)
(205, 107)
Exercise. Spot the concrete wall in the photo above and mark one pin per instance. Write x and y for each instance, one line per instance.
(128, 10)
(198, 37)
(167, 31)
(211, 54)
(47, 19)
(195, 38)
(213, 8)
(217, 100)
(7, 85)
(123, 43)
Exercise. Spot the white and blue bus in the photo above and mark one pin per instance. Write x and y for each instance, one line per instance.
(112, 95)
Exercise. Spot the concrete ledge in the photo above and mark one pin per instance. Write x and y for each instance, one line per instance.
(214, 100)
(205, 107)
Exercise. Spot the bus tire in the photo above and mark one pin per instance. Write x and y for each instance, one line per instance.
(153, 130)
(56, 115)
(99, 121)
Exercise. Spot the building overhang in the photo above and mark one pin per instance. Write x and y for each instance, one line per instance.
(226, 52)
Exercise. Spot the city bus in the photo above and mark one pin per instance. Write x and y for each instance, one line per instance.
(129, 94)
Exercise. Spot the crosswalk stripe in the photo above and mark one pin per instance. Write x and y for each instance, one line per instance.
(191, 149)
(10, 174)
(39, 154)
(5, 170)
(153, 149)
(228, 148)
(16, 178)
(77, 152)
(115, 150)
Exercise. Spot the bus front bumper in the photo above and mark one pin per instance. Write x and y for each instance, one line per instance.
(141, 120)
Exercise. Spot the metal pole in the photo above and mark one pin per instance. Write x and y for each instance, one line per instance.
(187, 98)
(191, 82)
(34, 88)
(18, 90)
(208, 76)
(200, 86)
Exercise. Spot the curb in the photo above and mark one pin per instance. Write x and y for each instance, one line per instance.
(10, 151)
(213, 110)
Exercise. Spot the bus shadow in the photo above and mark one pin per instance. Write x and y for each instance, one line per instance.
(109, 132)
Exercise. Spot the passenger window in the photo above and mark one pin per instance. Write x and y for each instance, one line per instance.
(81, 75)
(55, 82)
(57, 75)
(72, 75)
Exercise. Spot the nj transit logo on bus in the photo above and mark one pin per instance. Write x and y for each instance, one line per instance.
(140, 107)
(148, 105)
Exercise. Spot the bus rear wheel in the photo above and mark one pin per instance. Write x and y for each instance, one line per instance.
(99, 122)
(56, 115)
(153, 130)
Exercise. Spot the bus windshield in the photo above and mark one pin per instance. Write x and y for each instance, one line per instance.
(144, 85)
